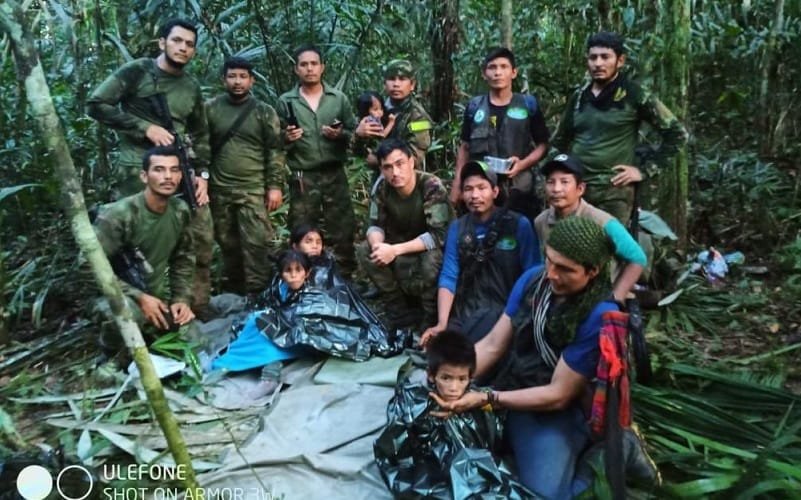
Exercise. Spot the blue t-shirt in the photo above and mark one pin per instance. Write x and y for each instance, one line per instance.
(581, 355)
(528, 250)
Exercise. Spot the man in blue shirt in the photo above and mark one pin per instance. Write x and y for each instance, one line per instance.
(486, 250)
(548, 337)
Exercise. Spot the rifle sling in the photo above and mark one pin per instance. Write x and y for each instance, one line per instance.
(217, 146)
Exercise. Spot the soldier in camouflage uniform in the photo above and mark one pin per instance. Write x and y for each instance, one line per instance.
(409, 215)
(247, 175)
(318, 124)
(412, 123)
(158, 225)
(600, 127)
(125, 102)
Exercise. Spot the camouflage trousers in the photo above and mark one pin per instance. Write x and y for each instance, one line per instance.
(520, 194)
(410, 278)
(243, 231)
(202, 230)
(322, 197)
(617, 201)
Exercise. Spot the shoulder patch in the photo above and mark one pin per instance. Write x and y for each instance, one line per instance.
(419, 126)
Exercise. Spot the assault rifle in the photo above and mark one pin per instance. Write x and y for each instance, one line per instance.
(187, 179)
(639, 346)
(131, 266)
(129, 263)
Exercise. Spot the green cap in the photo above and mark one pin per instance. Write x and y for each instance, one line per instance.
(399, 67)
(581, 240)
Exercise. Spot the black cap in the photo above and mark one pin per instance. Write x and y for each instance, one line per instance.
(564, 163)
(478, 168)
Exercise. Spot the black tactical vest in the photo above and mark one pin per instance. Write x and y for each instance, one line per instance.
(488, 268)
(513, 138)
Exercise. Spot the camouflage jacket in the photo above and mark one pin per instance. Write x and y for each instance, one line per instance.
(124, 102)
(603, 131)
(164, 239)
(252, 160)
(413, 125)
(424, 214)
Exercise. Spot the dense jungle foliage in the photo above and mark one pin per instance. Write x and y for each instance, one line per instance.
(725, 418)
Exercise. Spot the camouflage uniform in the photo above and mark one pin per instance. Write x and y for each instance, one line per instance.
(602, 132)
(318, 187)
(412, 123)
(165, 240)
(246, 166)
(124, 102)
(424, 214)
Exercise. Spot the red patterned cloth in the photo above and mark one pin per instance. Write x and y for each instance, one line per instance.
(612, 374)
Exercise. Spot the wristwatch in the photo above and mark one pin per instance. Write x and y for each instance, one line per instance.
(204, 175)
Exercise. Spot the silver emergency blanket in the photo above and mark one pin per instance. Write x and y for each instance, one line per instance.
(423, 456)
(328, 316)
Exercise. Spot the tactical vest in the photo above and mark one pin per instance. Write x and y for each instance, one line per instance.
(513, 138)
(489, 267)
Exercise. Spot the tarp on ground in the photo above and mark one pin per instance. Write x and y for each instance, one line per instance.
(316, 443)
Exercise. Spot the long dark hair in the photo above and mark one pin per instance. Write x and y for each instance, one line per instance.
(300, 231)
(365, 102)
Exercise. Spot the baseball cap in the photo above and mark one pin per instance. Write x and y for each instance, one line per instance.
(399, 67)
(565, 163)
(478, 168)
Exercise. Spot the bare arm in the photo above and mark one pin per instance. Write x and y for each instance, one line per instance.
(565, 387)
(444, 305)
(462, 155)
(529, 160)
(625, 280)
(490, 349)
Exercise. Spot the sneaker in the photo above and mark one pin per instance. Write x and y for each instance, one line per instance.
(639, 463)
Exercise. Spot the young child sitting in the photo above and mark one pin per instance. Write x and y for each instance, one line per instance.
(425, 452)
(372, 336)
(308, 239)
(252, 349)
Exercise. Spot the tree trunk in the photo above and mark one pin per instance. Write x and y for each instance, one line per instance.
(507, 24)
(444, 43)
(674, 181)
(29, 69)
(766, 118)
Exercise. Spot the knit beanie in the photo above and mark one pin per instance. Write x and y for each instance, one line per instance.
(582, 240)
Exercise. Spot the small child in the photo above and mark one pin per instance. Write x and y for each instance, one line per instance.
(307, 239)
(295, 268)
(451, 363)
(421, 454)
(252, 349)
(369, 104)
